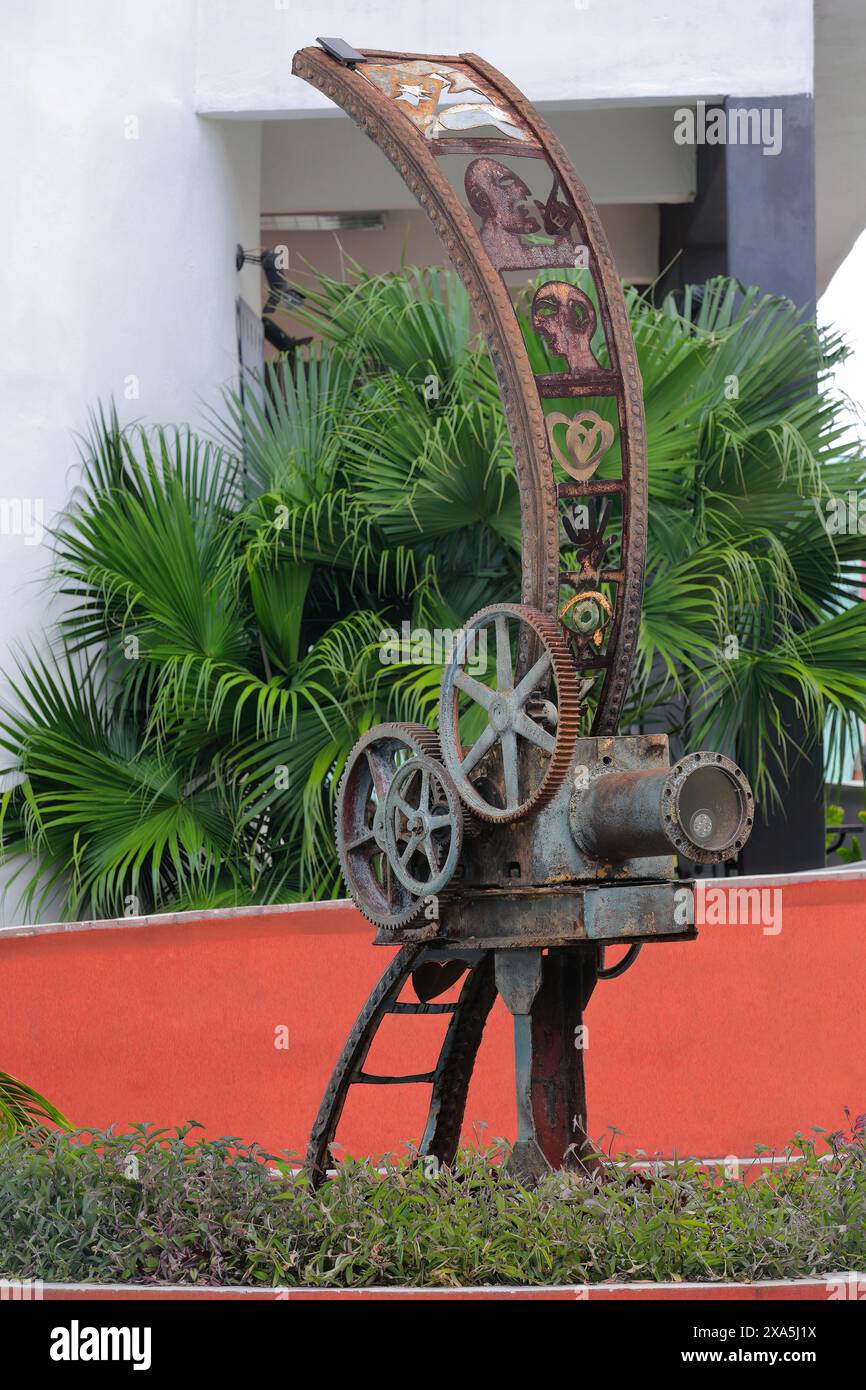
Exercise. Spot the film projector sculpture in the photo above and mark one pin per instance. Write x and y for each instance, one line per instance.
(506, 852)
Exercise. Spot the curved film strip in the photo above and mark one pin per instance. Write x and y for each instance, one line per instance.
(504, 197)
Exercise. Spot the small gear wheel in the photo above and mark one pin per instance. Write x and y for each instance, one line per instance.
(360, 822)
(423, 826)
(527, 696)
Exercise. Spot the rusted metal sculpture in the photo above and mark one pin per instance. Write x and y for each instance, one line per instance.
(508, 849)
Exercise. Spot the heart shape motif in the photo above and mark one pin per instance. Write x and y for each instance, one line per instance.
(587, 440)
(432, 979)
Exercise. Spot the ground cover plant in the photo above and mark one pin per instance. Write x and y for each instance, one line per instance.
(167, 1207)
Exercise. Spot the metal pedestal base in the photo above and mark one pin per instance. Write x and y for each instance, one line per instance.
(546, 993)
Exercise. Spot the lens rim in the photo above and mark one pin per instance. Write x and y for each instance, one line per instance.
(674, 826)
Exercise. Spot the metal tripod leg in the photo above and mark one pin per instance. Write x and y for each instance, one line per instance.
(457, 1060)
(451, 1076)
(352, 1058)
(546, 995)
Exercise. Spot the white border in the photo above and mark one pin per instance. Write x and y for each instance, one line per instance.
(283, 1292)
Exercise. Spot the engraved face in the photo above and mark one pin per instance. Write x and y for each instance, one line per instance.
(497, 194)
(565, 317)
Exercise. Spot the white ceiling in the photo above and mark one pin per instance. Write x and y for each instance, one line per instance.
(326, 164)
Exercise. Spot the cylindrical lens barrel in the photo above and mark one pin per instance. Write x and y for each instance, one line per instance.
(702, 808)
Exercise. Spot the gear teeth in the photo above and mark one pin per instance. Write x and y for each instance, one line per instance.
(568, 706)
(418, 740)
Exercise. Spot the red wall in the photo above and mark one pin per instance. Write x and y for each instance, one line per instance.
(705, 1047)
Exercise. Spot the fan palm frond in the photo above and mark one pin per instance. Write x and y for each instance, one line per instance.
(23, 1108)
(221, 646)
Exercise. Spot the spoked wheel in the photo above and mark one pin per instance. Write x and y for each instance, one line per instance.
(449, 1079)
(526, 699)
(423, 826)
(360, 822)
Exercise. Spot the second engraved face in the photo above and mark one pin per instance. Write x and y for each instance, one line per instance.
(565, 318)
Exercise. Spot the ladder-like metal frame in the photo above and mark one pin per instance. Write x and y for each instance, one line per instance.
(453, 1071)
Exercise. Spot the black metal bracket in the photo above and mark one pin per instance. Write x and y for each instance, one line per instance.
(342, 51)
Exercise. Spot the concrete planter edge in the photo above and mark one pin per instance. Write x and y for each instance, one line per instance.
(846, 1285)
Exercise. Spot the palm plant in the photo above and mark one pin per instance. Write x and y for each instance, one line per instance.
(23, 1108)
(181, 741)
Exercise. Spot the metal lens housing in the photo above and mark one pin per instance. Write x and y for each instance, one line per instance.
(702, 808)
(708, 807)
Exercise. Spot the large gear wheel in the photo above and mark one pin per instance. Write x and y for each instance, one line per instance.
(423, 826)
(360, 822)
(513, 703)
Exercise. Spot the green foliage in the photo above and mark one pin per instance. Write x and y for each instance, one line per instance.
(217, 655)
(851, 853)
(160, 1207)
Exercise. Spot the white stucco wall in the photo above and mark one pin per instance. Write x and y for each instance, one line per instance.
(116, 253)
(555, 50)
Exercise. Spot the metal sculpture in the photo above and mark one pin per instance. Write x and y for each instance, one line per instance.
(506, 851)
